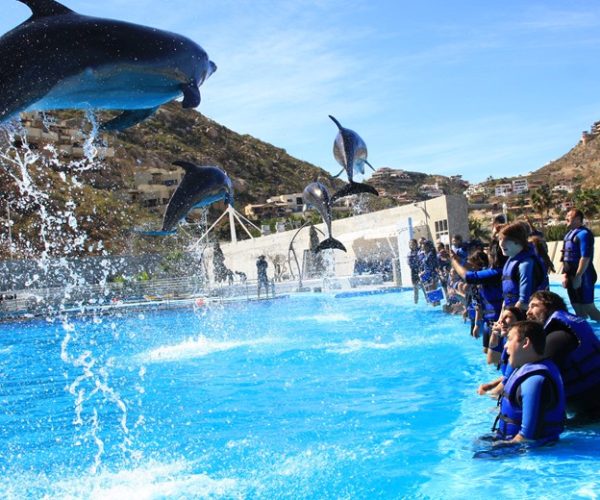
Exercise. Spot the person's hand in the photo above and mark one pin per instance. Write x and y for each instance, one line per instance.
(565, 281)
(576, 282)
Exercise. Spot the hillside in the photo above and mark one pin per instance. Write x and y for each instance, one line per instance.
(100, 206)
(581, 165)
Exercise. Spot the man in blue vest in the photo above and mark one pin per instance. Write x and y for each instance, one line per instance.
(579, 275)
(572, 344)
(532, 408)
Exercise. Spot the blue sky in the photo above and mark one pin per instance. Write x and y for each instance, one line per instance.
(447, 87)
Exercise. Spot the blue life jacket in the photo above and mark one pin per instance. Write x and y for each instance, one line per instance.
(491, 297)
(581, 368)
(510, 276)
(571, 252)
(508, 423)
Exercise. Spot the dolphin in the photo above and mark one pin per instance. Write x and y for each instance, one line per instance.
(59, 59)
(316, 194)
(201, 186)
(350, 151)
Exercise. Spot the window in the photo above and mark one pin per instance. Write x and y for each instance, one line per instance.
(441, 229)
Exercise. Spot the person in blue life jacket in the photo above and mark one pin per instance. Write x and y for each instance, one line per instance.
(532, 406)
(497, 350)
(414, 264)
(489, 281)
(428, 275)
(572, 344)
(523, 272)
(496, 353)
(459, 248)
(578, 273)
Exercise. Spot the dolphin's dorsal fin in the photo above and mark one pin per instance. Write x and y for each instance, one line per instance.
(46, 8)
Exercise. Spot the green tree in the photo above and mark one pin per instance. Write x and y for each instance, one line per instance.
(588, 201)
(477, 230)
(542, 201)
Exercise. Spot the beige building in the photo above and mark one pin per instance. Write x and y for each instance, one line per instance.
(369, 235)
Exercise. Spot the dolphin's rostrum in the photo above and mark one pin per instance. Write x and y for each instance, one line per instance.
(316, 195)
(59, 59)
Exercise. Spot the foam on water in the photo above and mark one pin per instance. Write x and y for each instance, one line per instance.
(197, 348)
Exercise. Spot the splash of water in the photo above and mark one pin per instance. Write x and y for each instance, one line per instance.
(32, 173)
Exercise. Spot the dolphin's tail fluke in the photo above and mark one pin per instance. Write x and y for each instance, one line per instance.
(354, 188)
(330, 243)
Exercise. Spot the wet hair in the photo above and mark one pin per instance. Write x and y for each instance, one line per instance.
(541, 249)
(550, 300)
(515, 232)
(478, 260)
(517, 312)
(533, 331)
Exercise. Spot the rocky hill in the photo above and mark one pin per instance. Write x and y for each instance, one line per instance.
(581, 165)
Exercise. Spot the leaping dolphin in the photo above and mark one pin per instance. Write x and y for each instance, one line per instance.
(201, 186)
(350, 151)
(59, 59)
(316, 194)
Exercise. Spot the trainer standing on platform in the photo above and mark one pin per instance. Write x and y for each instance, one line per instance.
(579, 275)
(261, 272)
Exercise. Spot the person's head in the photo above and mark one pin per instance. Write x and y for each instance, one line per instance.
(574, 218)
(509, 317)
(413, 244)
(542, 304)
(261, 257)
(513, 239)
(427, 246)
(457, 240)
(478, 260)
(440, 247)
(497, 258)
(525, 343)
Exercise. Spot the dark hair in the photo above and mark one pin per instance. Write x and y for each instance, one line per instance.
(515, 232)
(499, 219)
(551, 300)
(533, 331)
(497, 258)
(478, 259)
(577, 213)
(541, 249)
(517, 312)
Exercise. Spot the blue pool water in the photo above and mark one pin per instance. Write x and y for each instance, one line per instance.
(303, 397)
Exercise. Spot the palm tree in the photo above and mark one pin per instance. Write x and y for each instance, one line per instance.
(542, 201)
(477, 231)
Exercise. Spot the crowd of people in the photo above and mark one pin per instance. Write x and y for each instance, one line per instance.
(548, 359)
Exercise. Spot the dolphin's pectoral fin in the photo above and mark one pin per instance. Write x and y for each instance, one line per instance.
(338, 174)
(45, 8)
(127, 119)
(354, 188)
(191, 95)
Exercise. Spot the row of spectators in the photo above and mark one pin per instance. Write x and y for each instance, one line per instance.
(548, 358)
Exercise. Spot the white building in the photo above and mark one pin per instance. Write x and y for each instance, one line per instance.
(503, 189)
(520, 186)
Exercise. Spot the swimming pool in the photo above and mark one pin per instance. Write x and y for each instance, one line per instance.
(305, 397)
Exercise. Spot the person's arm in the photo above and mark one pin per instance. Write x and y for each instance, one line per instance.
(558, 345)
(484, 388)
(585, 250)
(457, 266)
(525, 283)
(531, 402)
